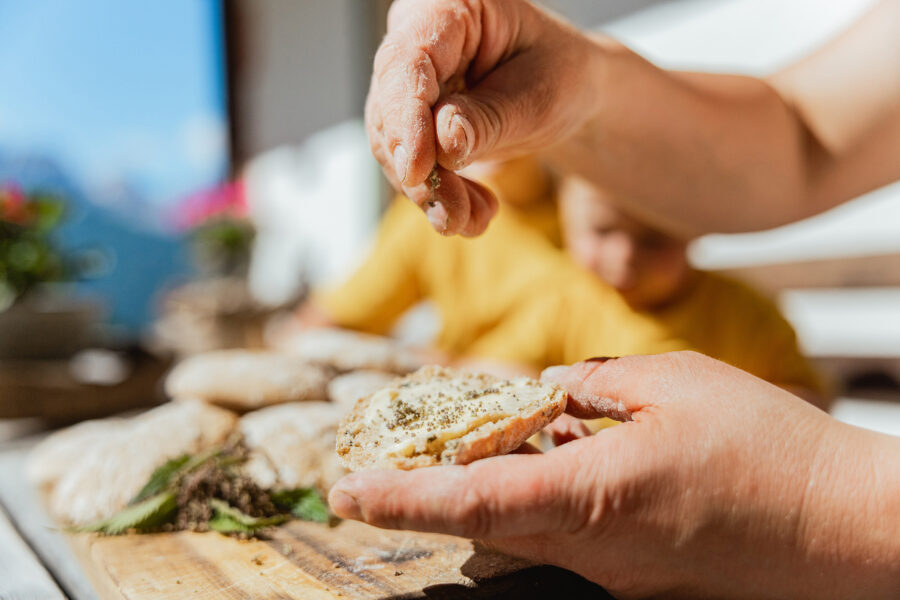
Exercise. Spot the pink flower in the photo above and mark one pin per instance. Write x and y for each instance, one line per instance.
(13, 204)
(226, 200)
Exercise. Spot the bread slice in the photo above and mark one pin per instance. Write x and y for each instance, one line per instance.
(444, 416)
(244, 380)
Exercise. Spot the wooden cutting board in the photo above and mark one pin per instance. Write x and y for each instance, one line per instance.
(310, 560)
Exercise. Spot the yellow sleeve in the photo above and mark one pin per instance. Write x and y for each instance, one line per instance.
(762, 341)
(525, 336)
(387, 283)
(778, 359)
(596, 321)
(571, 319)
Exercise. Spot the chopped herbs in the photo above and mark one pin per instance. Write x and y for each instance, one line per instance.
(209, 491)
(434, 180)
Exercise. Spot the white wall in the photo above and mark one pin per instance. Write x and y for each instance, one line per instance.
(301, 67)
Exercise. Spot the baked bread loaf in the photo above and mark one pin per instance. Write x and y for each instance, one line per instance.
(344, 390)
(350, 351)
(444, 416)
(120, 457)
(60, 451)
(292, 446)
(245, 380)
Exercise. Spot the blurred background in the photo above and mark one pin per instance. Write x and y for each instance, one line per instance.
(174, 173)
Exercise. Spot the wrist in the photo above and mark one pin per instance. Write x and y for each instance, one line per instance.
(601, 66)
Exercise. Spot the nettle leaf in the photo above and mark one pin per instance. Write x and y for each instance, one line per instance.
(161, 478)
(225, 524)
(143, 516)
(227, 519)
(304, 503)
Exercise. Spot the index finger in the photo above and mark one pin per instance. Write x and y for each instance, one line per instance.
(606, 386)
(427, 44)
(495, 497)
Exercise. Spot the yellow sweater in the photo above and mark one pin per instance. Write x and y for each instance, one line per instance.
(512, 295)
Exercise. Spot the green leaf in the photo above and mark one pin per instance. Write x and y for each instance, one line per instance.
(304, 503)
(147, 514)
(161, 478)
(48, 212)
(166, 475)
(227, 519)
(225, 524)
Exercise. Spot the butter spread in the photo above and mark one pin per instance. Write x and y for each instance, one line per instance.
(422, 416)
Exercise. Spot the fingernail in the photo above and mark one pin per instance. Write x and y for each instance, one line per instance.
(437, 216)
(344, 505)
(555, 373)
(601, 359)
(400, 162)
(462, 127)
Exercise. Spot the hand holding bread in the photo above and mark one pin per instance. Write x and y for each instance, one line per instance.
(713, 467)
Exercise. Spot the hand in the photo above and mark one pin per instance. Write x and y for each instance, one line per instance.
(719, 484)
(565, 429)
(458, 80)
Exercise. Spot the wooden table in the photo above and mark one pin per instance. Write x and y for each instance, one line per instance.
(298, 560)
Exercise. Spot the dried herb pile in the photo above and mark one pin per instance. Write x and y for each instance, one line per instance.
(209, 492)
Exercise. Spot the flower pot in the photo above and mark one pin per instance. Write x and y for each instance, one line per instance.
(47, 325)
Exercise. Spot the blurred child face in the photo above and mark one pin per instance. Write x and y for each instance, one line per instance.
(648, 267)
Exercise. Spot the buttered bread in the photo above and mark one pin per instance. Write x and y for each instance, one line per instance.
(444, 416)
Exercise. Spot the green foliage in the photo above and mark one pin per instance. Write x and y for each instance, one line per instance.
(227, 519)
(157, 503)
(162, 478)
(222, 245)
(28, 255)
(304, 503)
(147, 515)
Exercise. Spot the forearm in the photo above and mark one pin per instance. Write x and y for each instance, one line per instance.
(705, 152)
(696, 152)
(850, 532)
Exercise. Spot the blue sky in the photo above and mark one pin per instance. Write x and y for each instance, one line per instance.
(112, 87)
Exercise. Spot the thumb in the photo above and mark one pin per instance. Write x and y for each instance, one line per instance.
(510, 109)
(472, 125)
(608, 387)
(498, 497)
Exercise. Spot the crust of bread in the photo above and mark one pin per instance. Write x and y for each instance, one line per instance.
(489, 439)
(245, 380)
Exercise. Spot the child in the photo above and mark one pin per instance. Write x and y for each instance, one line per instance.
(649, 269)
(512, 301)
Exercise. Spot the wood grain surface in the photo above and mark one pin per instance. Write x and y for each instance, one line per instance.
(316, 561)
(297, 560)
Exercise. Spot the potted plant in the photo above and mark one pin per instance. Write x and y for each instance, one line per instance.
(215, 310)
(220, 232)
(37, 321)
